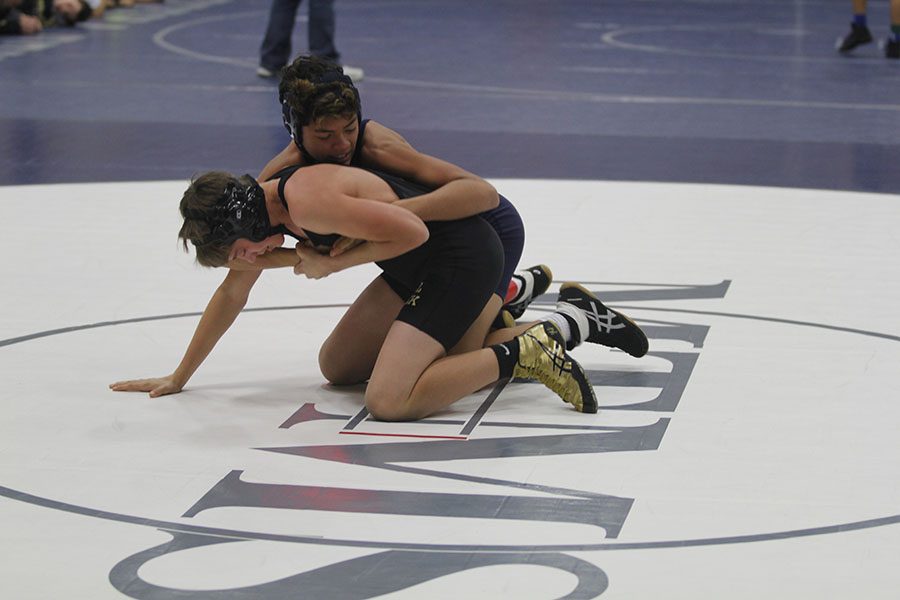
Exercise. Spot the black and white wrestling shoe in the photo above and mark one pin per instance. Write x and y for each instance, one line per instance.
(598, 324)
(532, 282)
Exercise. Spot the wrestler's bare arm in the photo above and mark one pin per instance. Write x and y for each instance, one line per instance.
(328, 198)
(276, 259)
(457, 193)
(288, 157)
(223, 308)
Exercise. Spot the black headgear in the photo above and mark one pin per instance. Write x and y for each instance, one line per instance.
(292, 121)
(240, 213)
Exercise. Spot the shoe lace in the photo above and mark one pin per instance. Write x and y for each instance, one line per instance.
(536, 369)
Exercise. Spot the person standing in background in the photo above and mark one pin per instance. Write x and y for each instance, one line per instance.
(275, 50)
(860, 34)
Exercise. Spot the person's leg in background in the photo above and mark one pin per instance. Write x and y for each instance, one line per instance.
(859, 29)
(322, 28)
(892, 45)
(275, 50)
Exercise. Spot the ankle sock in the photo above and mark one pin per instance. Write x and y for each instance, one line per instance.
(568, 326)
(860, 20)
(895, 33)
(507, 356)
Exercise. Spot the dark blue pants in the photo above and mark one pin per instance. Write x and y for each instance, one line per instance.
(275, 51)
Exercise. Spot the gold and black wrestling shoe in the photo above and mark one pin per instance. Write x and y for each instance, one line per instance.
(543, 357)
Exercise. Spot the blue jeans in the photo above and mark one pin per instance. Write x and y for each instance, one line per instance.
(275, 51)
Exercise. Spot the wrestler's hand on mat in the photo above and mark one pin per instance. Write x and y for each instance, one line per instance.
(312, 264)
(157, 386)
(343, 244)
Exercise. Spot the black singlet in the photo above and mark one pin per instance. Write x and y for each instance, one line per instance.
(446, 281)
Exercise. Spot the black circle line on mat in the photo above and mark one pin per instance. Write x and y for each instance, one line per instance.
(257, 536)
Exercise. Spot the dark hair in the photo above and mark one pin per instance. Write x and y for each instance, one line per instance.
(199, 207)
(312, 88)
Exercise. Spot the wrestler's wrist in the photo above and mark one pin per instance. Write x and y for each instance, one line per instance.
(179, 380)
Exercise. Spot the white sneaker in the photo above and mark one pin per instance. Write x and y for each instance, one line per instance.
(354, 73)
(264, 73)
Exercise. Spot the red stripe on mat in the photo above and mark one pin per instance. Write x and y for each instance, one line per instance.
(409, 435)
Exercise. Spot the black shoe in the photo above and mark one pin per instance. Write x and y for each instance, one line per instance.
(534, 281)
(859, 35)
(891, 48)
(598, 324)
